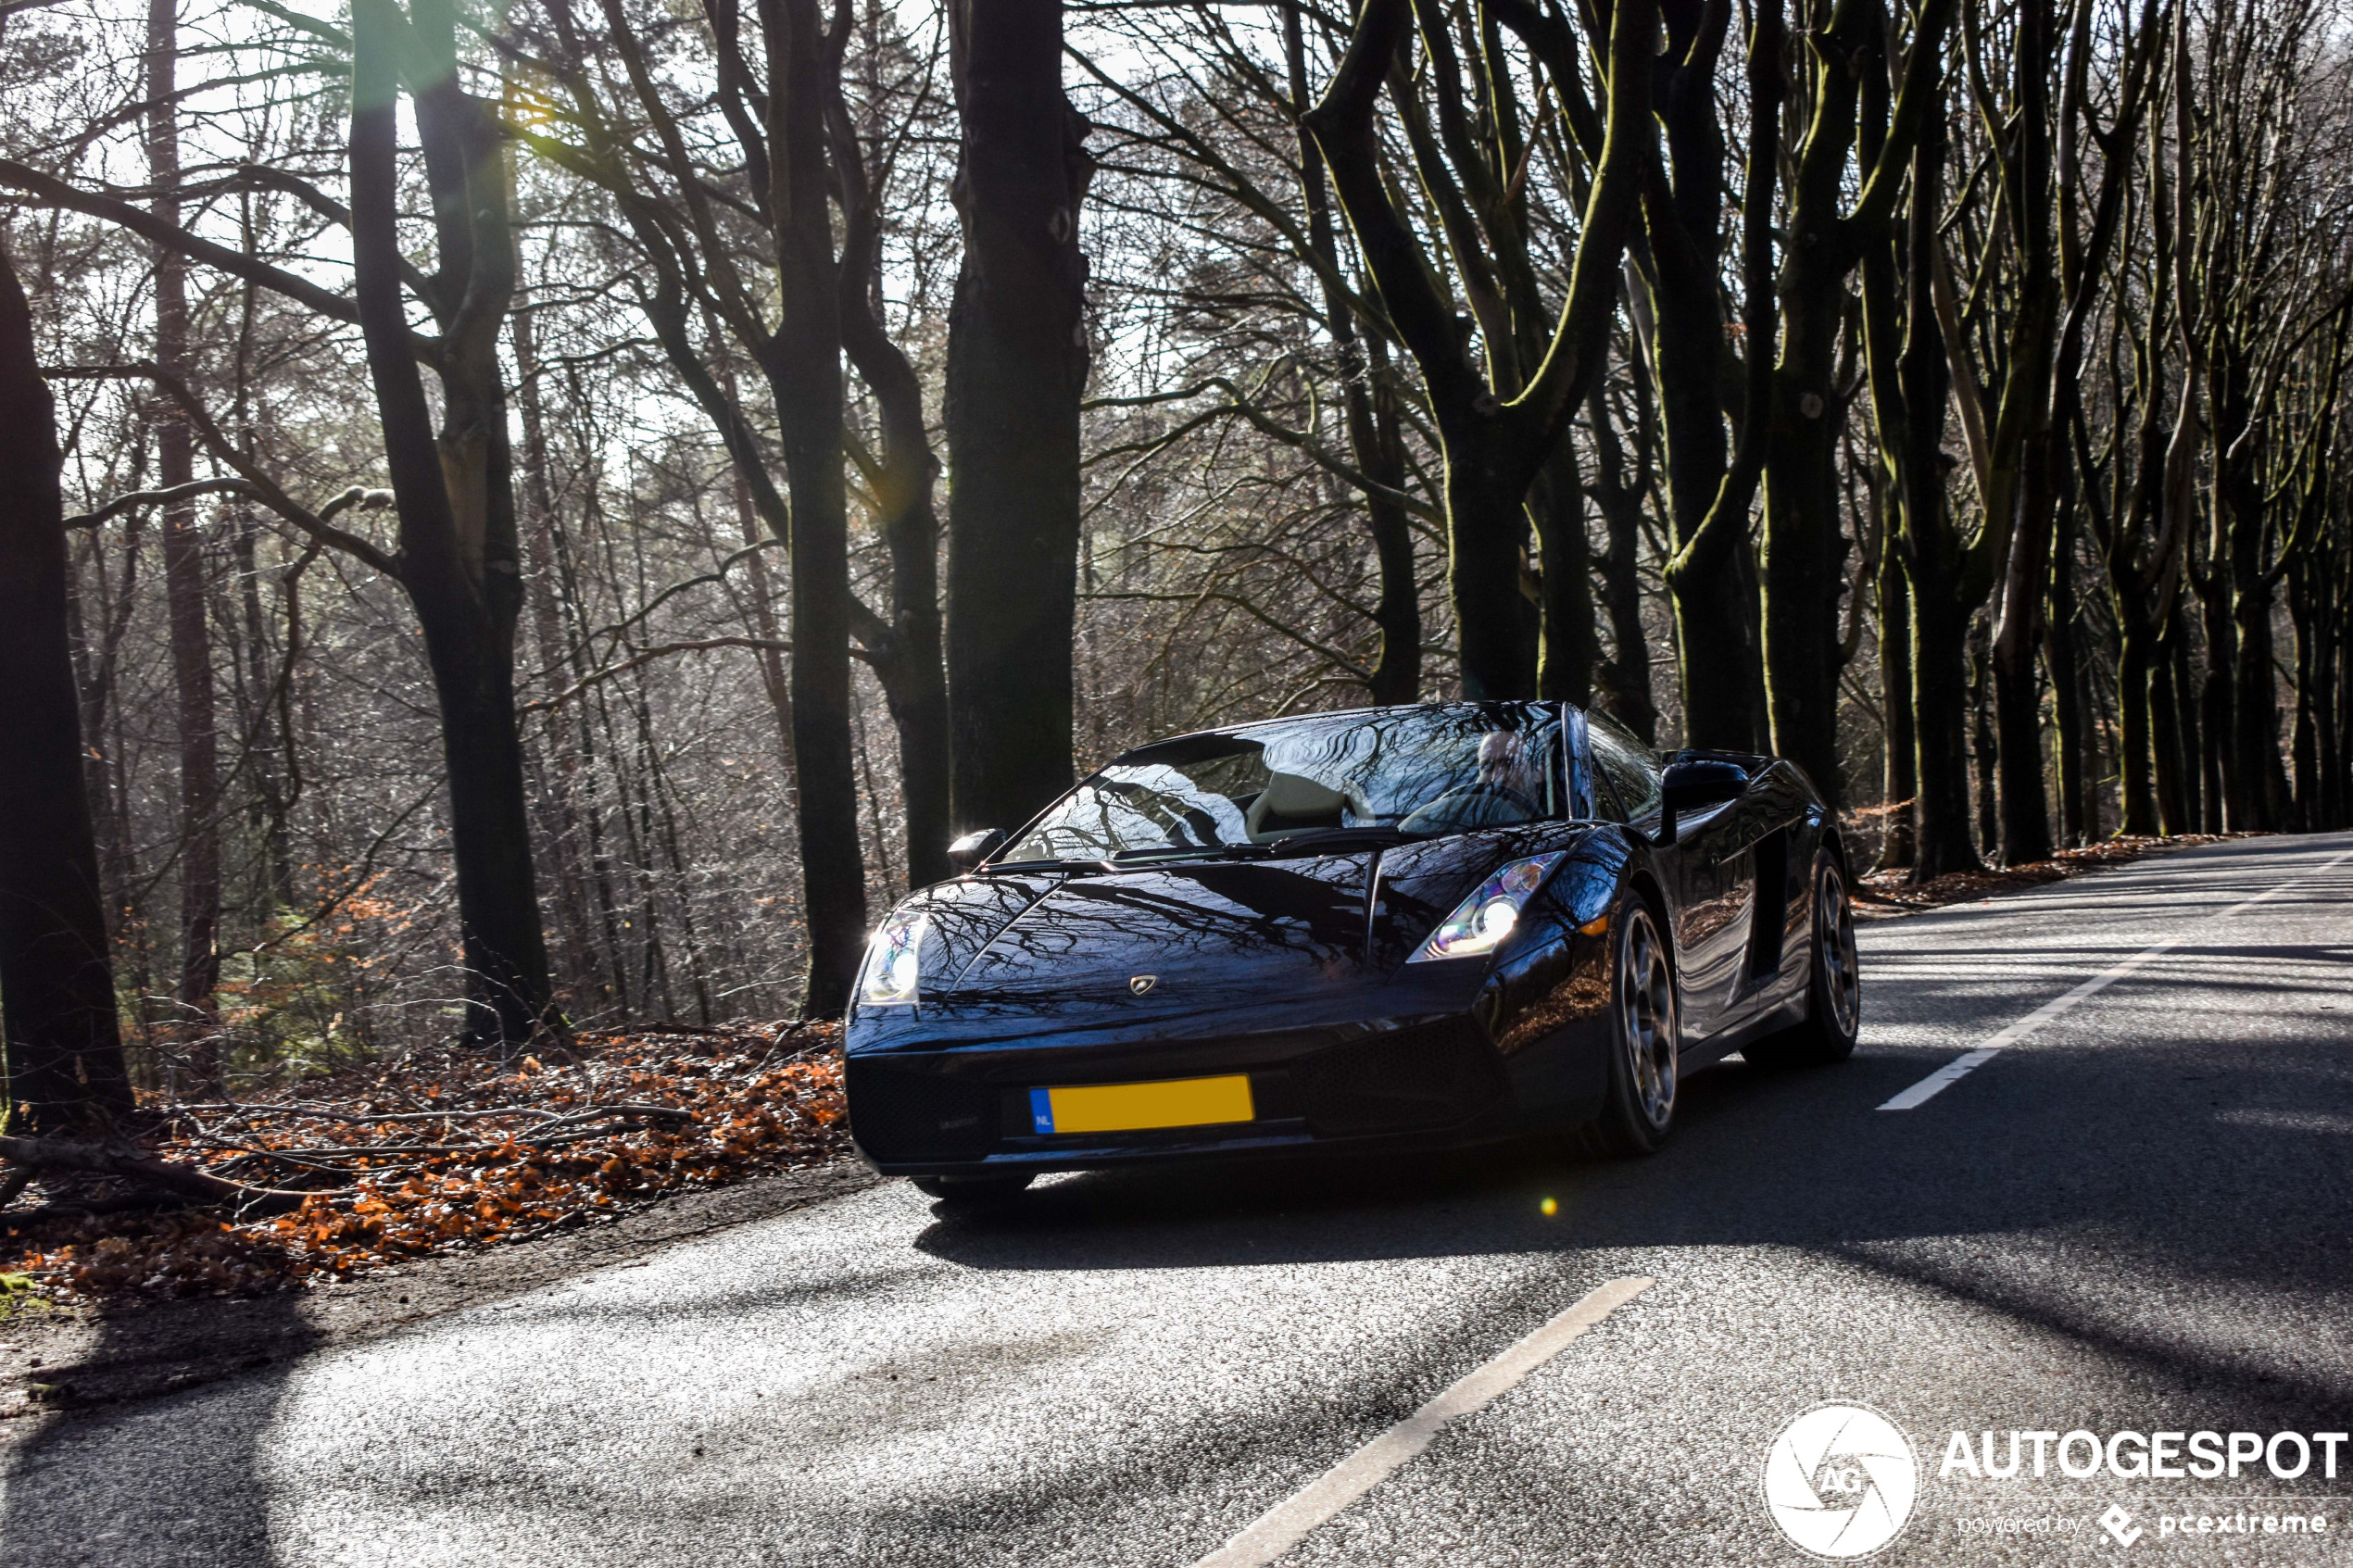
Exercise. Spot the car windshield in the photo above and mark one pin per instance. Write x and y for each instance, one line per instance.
(1407, 772)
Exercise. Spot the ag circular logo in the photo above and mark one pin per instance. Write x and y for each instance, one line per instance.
(1840, 1481)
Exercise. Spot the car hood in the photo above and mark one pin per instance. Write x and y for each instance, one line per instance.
(1208, 934)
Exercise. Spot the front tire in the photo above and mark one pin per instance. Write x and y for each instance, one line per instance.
(1834, 984)
(1638, 1107)
(969, 1193)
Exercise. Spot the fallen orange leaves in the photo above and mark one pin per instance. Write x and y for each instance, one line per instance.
(459, 1152)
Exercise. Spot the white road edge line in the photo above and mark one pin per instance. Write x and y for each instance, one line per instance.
(1284, 1526)
(1961, 1067)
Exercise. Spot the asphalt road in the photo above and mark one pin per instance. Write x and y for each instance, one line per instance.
(2140, 1217)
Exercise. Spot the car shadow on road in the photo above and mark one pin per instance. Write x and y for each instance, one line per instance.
(2192, 1175)
(2125, 1117)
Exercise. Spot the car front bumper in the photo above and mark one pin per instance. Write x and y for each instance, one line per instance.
(1421, 1082)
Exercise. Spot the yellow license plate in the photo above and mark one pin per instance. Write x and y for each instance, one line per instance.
(1127, 1108)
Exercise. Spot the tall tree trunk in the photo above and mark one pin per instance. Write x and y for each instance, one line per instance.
(269, 741)
(1940, 698)
(2336, 716)
(2225, 808)
(2091, 774)
(1496, 423)
(2255, 706)
(63, 1049)
(1487, 493)
(907, 651)
(559, 827)
(1369, 411)
(2064, 661)
(2189, 754)
(805, 379)
(2329, 700)
(1899, 837)
(271, 805)
(92, 644)
(1626, 678)
(2058, 264)
(185, 588)
(460, 562)
(1805, 550)
(1397, 678)
(1570, 638)
(2145, 718)
(2306, 739)
(1944, 576)
(2175, 770)
(1714, 600)
(2021, 502)
(1985, 744)
(1017, 359)
(2333, 693)
(2025, 813)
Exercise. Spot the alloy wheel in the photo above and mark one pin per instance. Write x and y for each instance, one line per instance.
(1835, 947)
(1646, 1000)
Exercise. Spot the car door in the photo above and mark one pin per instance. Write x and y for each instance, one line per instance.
(1755, 961)
(1767, 829)
(1718, 877)
(1712, 883)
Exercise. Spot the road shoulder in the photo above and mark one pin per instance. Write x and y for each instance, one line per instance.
(56, 1361)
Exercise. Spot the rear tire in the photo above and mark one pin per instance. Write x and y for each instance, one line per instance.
(974, 1192)
(1638, 1106)
(1834, 984)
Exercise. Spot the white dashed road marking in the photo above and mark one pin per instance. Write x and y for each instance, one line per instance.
(1282, 1527)
(1961, 1067)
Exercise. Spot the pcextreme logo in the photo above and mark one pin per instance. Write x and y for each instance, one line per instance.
(1840, 1481)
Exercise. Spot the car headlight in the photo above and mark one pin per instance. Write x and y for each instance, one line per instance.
(894, 964)
(1480, 922)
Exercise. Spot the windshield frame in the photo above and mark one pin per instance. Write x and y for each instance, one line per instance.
(1567, 771)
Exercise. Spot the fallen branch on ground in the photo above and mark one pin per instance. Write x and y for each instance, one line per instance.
(134, 1164)
(516, 1149)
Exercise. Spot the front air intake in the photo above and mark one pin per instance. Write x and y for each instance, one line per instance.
(896, 1114)
(1427, 1076)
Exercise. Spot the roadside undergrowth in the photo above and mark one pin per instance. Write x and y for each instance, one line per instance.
(439, 1154)
(1889, 892)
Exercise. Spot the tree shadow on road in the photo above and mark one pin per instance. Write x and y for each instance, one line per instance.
(2167, 1165)
(92, 1485)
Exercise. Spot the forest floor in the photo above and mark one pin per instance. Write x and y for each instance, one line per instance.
(435, 1170)
(1883, 895)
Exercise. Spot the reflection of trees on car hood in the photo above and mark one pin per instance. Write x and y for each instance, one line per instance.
(1304, 920)
(1301, 921)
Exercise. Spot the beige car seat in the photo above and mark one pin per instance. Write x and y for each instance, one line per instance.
(1292, 803)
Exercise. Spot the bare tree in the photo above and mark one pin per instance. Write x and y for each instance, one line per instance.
(64, 1056)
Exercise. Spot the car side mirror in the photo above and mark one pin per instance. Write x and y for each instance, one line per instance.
(1692, 784)
(975, 848)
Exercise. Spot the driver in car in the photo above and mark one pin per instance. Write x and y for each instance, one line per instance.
(1503, 761)
(1508, 788)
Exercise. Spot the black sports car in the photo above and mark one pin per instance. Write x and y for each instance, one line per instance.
(1395, 927)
